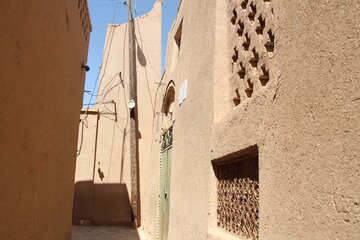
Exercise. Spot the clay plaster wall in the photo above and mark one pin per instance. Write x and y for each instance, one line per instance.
(43, 45)
(190, 167)
(303, 121)
(113, 156)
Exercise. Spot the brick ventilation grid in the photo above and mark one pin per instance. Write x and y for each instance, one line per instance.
(252, 46)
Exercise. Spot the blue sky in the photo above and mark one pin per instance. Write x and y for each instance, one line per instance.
(103, 12)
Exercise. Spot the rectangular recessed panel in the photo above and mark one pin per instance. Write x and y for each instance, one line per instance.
(238, 197)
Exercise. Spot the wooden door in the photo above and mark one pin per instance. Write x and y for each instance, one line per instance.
(165, 171)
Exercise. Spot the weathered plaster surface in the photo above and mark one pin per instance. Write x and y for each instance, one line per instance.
(305, 125)
(304, 121)
(42, 47)
(193, 119)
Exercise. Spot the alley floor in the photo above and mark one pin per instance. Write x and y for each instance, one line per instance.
(107, 233)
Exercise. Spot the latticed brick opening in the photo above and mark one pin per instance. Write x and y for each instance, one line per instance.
(238, 197)
(252, 43)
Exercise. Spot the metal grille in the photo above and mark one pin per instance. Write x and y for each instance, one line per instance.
(238, 198)
(167, 138)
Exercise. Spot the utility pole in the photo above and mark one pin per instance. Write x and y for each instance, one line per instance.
(133, 118)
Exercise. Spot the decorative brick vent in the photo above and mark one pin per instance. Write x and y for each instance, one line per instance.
(238, 197)
(252, 41)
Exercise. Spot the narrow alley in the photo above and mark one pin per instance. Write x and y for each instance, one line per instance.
(184, 119)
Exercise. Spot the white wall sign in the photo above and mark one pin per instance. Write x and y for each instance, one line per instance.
(183, 91)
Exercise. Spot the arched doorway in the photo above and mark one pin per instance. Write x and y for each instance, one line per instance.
(165, 159)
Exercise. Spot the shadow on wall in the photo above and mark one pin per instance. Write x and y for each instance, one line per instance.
(141, 57)
(101, 204)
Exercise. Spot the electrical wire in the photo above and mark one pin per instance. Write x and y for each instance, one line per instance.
(107, 57)
(96, 82)
(114, 82)
(145, 48)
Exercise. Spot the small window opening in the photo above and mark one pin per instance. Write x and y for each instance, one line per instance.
(235, 56)
(252, 12)
(260, 25)
(244, 4)
(237, 99)
(246, 43)
(242, 71)
(234, 17)
(241, 28)
(250, 88)
(238, 195)
(177, 36)
(264, 77)
(269, 45)
(254, 58)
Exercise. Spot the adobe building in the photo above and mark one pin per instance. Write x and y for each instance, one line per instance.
(260, 121)
(103, 171)
(250, 134)
(43, 47)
